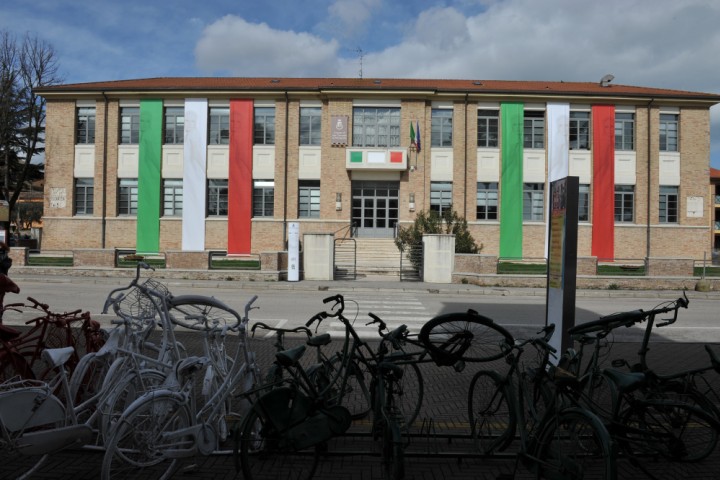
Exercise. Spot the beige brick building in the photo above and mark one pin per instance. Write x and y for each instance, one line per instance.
(197, 164)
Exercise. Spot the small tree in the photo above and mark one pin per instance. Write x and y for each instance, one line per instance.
(28, 213)
(409, 238)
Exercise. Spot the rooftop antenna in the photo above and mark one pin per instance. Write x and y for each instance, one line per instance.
(360, 57)
(605, 81)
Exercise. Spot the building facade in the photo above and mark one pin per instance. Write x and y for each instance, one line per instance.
(199, 164)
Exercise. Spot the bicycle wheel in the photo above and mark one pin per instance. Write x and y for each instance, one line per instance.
(408, 392)
(355, 396)
(574, 445)
(122, 394)
(144, 439)
(466, 336)
(265, 452)
(87, 380)
(492, 421)
(677, 431)
(14, 365)
(393, 449)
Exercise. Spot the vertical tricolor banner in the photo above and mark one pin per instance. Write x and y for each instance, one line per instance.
(194, 174)
(511, 180)
(558, 151)
(240, 177)
(603, 187)
(149, 180)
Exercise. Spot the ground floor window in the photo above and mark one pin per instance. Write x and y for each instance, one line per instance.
(309, 199)
(533, 202)
(487, 201)
(440, 197)
(84, 193)
(217, 198)
(584, 203)
(172, 197)
(128, 196)
(624, 203)
(668, 204)
(263, 198)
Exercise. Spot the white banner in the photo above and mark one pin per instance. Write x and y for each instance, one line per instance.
(194, 174)
(558, 151)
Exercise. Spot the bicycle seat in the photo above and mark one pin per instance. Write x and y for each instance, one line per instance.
(7, 333)
(626, 381)
(57, 356)
(319, 340)
(287, 358)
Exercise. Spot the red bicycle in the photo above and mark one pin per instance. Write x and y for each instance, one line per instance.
(20, 350)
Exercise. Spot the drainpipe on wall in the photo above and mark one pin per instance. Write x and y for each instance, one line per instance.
(285, 173)
(465, 157)
(647, 253)
(104, 173)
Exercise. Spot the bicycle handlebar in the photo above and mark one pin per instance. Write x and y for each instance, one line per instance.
(339, 300)
(110, 300)
(264, 326)
(375, 319)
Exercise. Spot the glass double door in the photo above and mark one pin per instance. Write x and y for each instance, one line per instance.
(375, 208)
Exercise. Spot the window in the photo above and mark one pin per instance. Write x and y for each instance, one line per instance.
(84, 191)
(487, 128)
(376, 127)
(128, 196)
(624, 131)
(219, 126)
(85, 131)
(579, 130)
(264, 126)
(263, 198)
(584, 203)
(440, 197)
(668, 204)
(668, 132)
(174, 125)
(309, 198)
(441, 130)
(487, 201)
(217, 200)
(172, 197)
(533, 201)
(130, 125)
(624, 203)
(534, 129)
(310, 124)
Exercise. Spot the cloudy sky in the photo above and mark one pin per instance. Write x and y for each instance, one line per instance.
(654, 43)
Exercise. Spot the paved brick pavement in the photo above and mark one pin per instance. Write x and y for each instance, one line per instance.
(430, 454)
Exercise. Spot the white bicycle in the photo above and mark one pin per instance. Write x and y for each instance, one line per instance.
(168, 424)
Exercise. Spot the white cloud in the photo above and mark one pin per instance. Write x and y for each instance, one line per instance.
(234, 46)
(350, 16)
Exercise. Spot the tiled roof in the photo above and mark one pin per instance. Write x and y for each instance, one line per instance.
(714, 173)
(210, 84)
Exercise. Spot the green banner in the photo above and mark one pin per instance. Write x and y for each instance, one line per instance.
(511, 181)
(149, 181)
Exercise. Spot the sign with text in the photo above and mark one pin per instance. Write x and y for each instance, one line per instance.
(293, 274)
(562, 259)
(339, 130)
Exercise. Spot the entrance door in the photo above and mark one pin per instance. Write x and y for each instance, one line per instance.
(375, 208)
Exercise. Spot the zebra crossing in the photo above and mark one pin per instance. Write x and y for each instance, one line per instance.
(394, 310)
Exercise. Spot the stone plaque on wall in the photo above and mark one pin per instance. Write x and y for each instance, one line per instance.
(694, 207)
(58, 197)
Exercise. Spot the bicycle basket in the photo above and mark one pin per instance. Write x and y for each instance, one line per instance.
(136, 304)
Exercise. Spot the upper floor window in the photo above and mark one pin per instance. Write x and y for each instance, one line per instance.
(310, 125)
(442, 123)
(174, 125)
(84, 192)
(487, 201)
(579, 130)
(534, 129)
(624, 203)
(624, 131)
(219, 126)
(217, 197)
(85, 129)
(533, 201)
(263, 198)
(584, 203)
(668, 204)
(264, 126)
(440, 197)
(128, 196)
(130, 125)
(668, 132)
(172, 197)
(487, 122)
(376, 127)
(309, 198)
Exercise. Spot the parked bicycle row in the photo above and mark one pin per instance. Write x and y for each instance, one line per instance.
(136, 392)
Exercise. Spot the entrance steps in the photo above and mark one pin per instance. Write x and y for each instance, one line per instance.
(372, 256)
